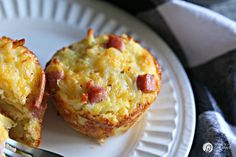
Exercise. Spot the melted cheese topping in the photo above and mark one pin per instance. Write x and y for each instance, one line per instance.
(18, 71)
(109, 68)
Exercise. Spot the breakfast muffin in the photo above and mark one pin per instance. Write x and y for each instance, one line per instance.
(102, 85)
(22, 83)
(5, 125)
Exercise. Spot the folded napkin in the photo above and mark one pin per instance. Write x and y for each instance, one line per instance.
(205, 42)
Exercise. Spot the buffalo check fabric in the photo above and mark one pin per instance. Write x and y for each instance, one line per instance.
(205, 42)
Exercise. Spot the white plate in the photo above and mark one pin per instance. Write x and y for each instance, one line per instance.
(47, 25)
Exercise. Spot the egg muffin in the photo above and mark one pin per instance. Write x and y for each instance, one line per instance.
(22, 84)
(102, 85)
(5, 125)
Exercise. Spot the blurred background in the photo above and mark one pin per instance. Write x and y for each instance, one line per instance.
(224, 7)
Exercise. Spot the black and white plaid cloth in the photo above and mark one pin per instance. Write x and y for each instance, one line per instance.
(205, 42)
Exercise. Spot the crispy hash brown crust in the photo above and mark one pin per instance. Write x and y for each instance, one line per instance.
(98, 129)
(28, 114)
(85, 120)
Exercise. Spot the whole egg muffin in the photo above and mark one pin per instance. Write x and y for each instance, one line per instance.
(102, 85)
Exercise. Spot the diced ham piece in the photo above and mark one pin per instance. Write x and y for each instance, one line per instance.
(146, 83)
(116, 42)
(96, 94)
(52, 77)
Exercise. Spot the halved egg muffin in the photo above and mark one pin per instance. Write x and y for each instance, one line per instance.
(22, 84)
